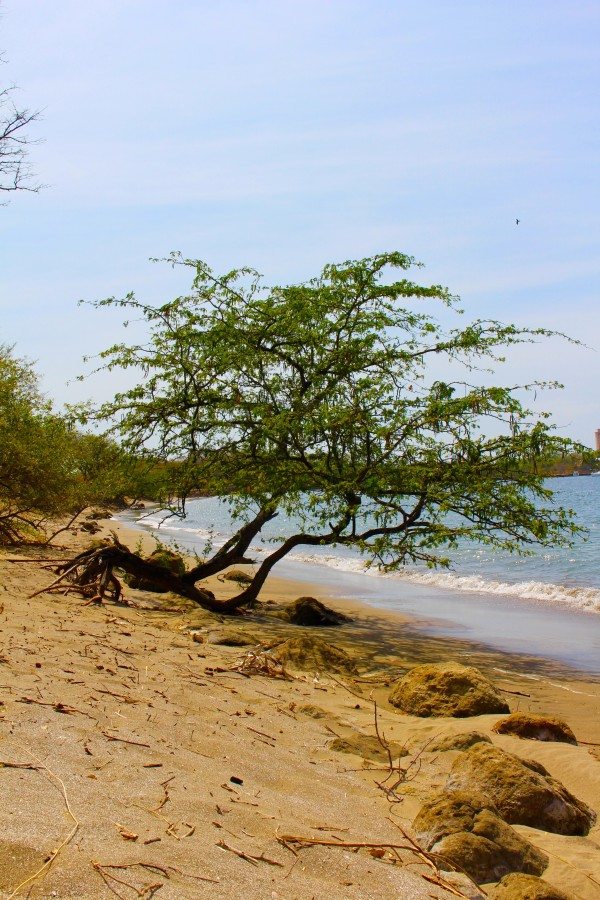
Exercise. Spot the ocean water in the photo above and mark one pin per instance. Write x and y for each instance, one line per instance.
(544, 605)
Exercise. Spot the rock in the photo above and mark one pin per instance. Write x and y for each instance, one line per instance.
(314, 712)
(526, 887)
(537, 728)
(165, 559)
(459, 741)
(464, 885)
(238, 576)
(446, 689)
(310, 612)
(91, 527)
(99, 514)
(367, 747)
(523, 792)
(465, 831)
(308, 653)
(231, 638)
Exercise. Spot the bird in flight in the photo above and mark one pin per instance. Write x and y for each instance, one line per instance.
(517, 221)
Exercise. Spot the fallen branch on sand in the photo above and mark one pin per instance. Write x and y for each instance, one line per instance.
(250, 857)
(52, 777)
(145, 892)
(259, 662)
(300, 841)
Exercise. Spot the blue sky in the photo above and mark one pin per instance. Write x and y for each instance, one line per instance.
(285, 135)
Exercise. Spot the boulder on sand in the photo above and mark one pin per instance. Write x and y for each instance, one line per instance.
(461, 741)
(308, 653)
(229, 637)
(367, 746)
(526, 887)
(308, 611)
(537, 728)
(238, 576)
(523, 792)
(465, 831)
(446, 689)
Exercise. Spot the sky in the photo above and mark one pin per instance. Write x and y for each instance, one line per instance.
(291, 133)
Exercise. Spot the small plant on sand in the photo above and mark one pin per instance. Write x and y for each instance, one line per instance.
(343, 403)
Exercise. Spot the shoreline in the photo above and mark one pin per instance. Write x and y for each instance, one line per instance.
(424, 629)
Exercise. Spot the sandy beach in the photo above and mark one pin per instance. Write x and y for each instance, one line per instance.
(137, 762)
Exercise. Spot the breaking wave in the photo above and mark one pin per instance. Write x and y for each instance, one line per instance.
(586, 599)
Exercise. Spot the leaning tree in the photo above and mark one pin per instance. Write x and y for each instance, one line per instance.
(318, 399)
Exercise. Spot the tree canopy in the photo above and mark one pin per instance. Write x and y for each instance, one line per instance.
(318, 399)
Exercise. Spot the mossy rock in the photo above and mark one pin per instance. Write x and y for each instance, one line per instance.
(164, 559)
(238, 576)
(228, 637)
(97, 543)
(458, 741)
(97, 514)
(310, 612)
(536, 728)
(464, 831)
(522, 790)
(526, 887)
(312, 711)
(91, 527)
(446, 689)
(367, 747)
(167, 559)
(308, 653)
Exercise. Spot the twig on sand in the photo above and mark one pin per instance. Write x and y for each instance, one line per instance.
(57, 706)
(11, 765)
(146, 891)
(400, 773)
(39, 560)
(58, 782)
(252, 858)
(54, 583)
(411, 846)
(114, 737)
(259, 662)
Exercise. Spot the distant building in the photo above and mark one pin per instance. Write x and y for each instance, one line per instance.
(598, 439)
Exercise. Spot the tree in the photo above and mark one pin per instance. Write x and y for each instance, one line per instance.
(317, 399)
(15, 170)
(48, 469)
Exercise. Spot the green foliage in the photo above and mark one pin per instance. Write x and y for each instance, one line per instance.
(47, 467)
(318, 399)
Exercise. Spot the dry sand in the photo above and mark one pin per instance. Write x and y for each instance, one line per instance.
(120, 735)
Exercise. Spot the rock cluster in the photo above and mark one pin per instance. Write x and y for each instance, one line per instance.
(523, 791)
(465, 830)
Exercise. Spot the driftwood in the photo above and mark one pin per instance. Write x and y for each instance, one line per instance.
(93, 573)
